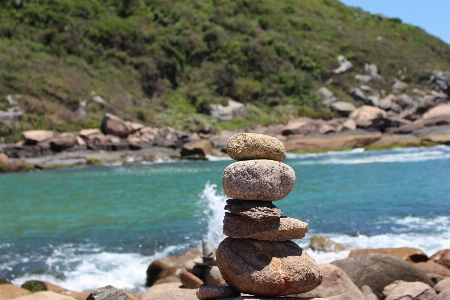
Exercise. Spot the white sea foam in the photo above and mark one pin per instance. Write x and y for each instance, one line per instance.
(82, 272)
(214, 212)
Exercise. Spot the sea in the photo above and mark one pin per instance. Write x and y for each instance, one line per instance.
(92, 226)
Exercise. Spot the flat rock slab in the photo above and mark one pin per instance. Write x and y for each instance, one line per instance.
(256, 210)
(245, 146)
(265, 268)
(283, 229)
(261, 179)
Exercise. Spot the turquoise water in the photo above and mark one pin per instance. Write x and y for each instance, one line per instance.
(88, 227)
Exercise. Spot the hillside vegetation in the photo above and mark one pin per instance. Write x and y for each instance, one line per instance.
(162, 62)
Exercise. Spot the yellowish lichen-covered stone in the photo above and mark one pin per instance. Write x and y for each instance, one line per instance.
(245, 146)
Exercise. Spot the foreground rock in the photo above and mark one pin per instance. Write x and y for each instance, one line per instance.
(108, 293)
(409, 290)
(335, 282)
(267, 268)
(265, 180)
(380, 270)
(214, 292)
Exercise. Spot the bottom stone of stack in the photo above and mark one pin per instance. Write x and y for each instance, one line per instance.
(267, 268)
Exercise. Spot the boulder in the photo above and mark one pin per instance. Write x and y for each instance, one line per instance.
(363, 78)
(325, 95)
(349, 124)
(442, 257)
(169, 291)
(403, 140)
(108, 293)
(442, 285)
(302, 126)
(283, 229)
(344, 67)
(245, 146)
(380, 270)
(320, 243)
(335, 282)
(212, 276)
(266, 268)
(368, 116)
(4, 160)
(114, 125)
(445, 295)
(358, 95)
(260, 179)
(214, 292)
(409, 290)
(368, 293)
(64, 141)
(387, 102)
(231, 111)
(261, 211)
(434, 270)
(34, 137)
(198, 148)
(190, 281)
(10, 291)
(343, 108)
(399, 86)
(373, 100)
(413, 255)
(169, 266)
(334, 141)
(437, 134)
(326, 128)
(439, 111)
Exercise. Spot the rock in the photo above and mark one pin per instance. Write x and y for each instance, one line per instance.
(349, 124)
(261, 211)
(445, 295)
(212, 276)
(334, 141)
(358, 95)
(12, 115)
(441, 81)
(442, 257)
(439, 111)
(320, 243)
(399, 86)
(190, 281)
(343, 108)
(202, 261)
(208, 249)
(214, 292)
(302, 126)
(413, 255)
(442, 285)
(335, 282)
(80, 141)
(245, 146)
(231, 111)
(265, 180)
(368, 293)
(195, 269)
(108, 293)
(403, 140)
(10, 291)
(46, 295)
(37, 136)
(387, 102)
(326, 128)
(201, 148)
(277, 230)
(87, 132)
(345, 65)
(266, 268)
(363, 78)
(326, 95)
(168, 266)
(404, 101)
(372, 70)
(435, 271)
(4, 160)
(373, 100)
(114, 125)
(367, 116)
(380, 270)
(63, 142)
(169, 291)
(437, 134)
(409, 290)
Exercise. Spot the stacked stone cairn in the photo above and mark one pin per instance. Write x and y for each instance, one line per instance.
(258, 256)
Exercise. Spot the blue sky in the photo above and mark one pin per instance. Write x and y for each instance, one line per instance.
(433, 16)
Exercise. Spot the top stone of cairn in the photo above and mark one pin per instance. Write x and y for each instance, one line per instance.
(245, 146)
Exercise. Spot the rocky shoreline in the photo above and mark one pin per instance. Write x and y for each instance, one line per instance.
(367, 274)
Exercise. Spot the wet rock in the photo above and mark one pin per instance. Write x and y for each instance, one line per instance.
(409, 290)
(245, 146)
(256, 210)
(335, 282)
(320, 243)
(380, 270)
(264, 180)
(266, 268)
(277, 230)
(214, 292)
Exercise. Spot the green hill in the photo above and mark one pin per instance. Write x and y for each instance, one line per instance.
(162, 62)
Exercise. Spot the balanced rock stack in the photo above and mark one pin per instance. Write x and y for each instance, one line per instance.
(258, 256)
